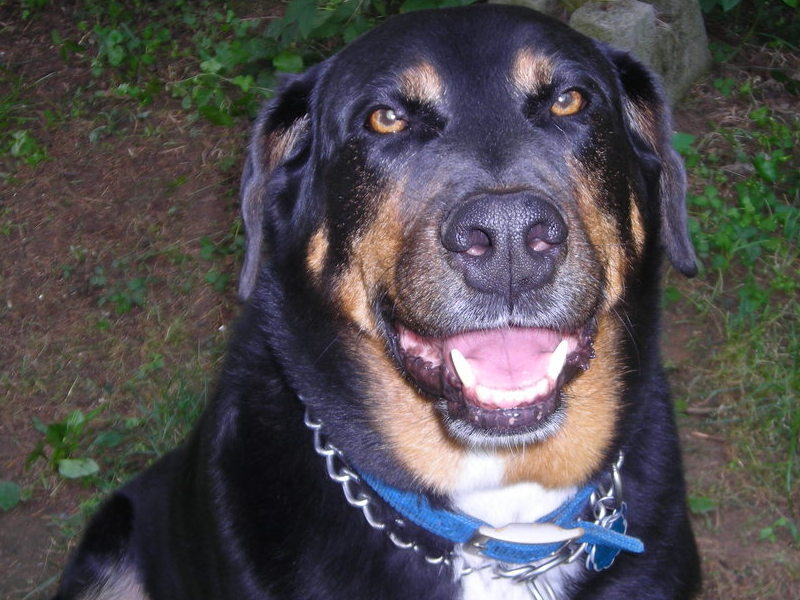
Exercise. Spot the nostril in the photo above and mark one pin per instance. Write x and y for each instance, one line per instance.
(478, 242)
(542, 236)
(535, 238)
(539, 245)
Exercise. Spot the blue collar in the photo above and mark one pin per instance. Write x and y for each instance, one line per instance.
(604, 538)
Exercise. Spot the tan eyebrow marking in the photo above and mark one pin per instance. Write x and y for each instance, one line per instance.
(531, 72)
(422, 83)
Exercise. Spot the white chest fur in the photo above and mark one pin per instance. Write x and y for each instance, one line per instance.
(482, 494)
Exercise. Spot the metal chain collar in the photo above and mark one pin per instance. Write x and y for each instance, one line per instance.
(607, 507)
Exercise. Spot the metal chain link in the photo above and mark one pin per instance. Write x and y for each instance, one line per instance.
(604, 502)
(352, 486)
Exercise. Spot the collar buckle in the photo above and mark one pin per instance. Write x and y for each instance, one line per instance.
(524, 534)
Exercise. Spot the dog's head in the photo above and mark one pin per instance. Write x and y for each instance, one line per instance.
(473, 193)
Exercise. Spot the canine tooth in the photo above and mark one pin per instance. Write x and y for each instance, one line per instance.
(557, 360)
(463, 368)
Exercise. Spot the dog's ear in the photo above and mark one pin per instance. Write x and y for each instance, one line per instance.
(279, 145)
(647, 118)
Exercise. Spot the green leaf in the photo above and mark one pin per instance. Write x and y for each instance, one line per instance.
(304, 13)
(212, 65)
(39, 426)
(288, 62)
(109, 439)
(700, 505)
(75, 468)
(766, 167)
(244, 82)
(682, 142)
(10, 494)
(217, 279)
(215, 115)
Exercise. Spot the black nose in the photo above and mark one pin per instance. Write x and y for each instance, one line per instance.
(505, 243)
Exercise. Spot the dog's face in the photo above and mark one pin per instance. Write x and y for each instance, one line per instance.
(469, 192)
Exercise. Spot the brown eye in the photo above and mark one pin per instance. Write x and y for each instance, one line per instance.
(568, 103)
(385, 120)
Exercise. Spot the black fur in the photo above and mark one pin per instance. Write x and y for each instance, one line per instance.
(245, 510)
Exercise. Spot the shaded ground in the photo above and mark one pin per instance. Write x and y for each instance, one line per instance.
(144, 202)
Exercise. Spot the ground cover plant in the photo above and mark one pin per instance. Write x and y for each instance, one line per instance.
(122, 126)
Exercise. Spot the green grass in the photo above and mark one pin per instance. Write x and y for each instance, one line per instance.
(17, 142)
(746, 228)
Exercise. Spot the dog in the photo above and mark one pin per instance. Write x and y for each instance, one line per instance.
(446, 382)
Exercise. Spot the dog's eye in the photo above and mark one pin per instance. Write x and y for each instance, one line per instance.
(568, 103)
(385, 120)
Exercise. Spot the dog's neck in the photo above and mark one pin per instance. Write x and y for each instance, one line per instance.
(481, 492)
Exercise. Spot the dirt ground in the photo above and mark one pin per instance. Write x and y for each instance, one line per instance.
(153, 187)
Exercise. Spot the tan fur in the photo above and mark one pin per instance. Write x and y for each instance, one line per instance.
(374, 250)
(637, 227)
(409, 422)
(644, 121)
(281, 142)
(592, 402)
(531, 72)
(422, 83)
(317, 251)
(411, 425)
(602, 232)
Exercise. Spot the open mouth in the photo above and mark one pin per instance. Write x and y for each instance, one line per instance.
(496, 382)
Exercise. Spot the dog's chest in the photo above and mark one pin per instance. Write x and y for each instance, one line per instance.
(482, 495)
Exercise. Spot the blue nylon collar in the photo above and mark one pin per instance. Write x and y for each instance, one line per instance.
(606, 538)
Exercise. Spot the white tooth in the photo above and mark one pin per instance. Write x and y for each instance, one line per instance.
(557, 360)
(463, 369)
(508, 398)
(542, 387)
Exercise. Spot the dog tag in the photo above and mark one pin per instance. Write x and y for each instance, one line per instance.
(600, 558)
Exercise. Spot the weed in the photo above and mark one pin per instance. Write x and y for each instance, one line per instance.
(771, 532)
(10, 495)
(217, 280)
(746, 227)
(123, 296)
(231, 64)
(24, 146)
(750, 19)
(16, 140)
(156, 363)
(64, 438)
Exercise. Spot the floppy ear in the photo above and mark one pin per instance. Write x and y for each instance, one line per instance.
(281, 135)
(648, 120)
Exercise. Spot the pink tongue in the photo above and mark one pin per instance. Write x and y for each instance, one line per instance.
(506, 359)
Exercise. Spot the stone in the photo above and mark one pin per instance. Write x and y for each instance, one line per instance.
(625, 24)
(554, 8)
(666, 35)
(683, 52)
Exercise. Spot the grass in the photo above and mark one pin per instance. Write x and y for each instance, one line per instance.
(741, 382)
(143, 290)
(746, 227)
